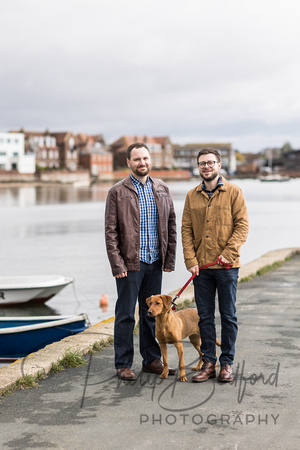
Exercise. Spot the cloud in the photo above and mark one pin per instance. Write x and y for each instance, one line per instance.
(194, 69)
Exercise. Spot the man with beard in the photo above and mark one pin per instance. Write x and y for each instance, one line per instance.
(140, 233)
(214, 226)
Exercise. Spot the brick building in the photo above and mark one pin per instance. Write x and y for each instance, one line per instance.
(68, 153)
(94, 154)
(161, 150)
(52, 150)
(185, 156)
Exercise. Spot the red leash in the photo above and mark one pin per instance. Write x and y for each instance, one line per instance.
(226, 266)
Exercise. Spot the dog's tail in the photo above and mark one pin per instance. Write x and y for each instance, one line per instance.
(218, 342)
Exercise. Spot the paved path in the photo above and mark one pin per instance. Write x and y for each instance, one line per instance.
(87, 407)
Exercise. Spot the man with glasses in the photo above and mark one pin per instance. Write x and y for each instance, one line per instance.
(214, 226)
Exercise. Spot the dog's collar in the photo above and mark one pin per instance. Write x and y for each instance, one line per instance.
(173, 304)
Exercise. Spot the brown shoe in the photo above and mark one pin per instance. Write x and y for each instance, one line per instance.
(126, 374)
(207, 371)
(157, 367)
(225, 373)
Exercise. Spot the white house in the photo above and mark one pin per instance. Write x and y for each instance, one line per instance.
(12, 154)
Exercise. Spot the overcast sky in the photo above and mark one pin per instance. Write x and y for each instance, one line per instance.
(195, 70)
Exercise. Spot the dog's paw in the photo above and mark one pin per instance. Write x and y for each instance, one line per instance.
(164, 375)
(196, 368)
(183, 378)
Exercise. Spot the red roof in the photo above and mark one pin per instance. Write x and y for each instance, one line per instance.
(128, 140)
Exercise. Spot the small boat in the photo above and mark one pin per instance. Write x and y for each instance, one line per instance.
(20, 336)
(274, 177)
(16, 290)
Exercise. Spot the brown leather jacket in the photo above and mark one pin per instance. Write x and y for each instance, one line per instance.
(122, 226)
(213, 227)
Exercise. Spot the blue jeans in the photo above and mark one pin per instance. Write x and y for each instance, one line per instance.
(137, 285)
(205, 285)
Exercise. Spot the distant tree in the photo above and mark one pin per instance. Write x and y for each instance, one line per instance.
(239, 156)
(286, 148)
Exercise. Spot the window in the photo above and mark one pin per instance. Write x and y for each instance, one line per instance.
(15, 154)
(71, 143)
(16, 141)
(2, 153)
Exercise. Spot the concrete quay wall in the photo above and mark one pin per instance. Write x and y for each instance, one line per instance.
(42, 360)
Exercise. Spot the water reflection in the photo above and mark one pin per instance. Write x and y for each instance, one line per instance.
(25, 196)
(27, 311)
(60, 229)
(18, 196)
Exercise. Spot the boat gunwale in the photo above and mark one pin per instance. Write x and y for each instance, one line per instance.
(7, 287)
(51, 324)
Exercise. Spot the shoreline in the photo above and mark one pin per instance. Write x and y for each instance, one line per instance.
(114, 179)
(42, 360)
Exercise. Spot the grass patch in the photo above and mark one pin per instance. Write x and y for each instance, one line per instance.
(98, 346)
(250, 278)
(269, 268)
(185, 304)
(29, 381)
(69, 359)
(264, 270)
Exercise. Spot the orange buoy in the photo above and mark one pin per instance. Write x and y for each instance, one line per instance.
(103, 301)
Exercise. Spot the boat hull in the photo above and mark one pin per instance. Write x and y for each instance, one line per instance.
(274, 178)
(37, 289)
(20, 336)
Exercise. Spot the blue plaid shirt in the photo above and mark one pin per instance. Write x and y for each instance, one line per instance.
(149, 239)
(210, 193)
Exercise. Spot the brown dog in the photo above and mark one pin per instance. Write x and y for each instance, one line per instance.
(171, 328)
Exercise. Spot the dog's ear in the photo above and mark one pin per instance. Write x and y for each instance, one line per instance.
(148, 300)
(167, 300)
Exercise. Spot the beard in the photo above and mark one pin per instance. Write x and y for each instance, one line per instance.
(210, 177)
(141, 173)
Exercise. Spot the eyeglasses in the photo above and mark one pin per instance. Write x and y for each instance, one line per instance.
(209, 163)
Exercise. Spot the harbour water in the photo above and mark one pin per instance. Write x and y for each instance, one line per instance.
(60, 230)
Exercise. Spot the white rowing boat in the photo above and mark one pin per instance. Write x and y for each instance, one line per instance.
(16, 290)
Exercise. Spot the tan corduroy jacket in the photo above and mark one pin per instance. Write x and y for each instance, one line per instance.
(215, 226)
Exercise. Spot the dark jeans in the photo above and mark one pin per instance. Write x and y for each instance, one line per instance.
(205, 285)
(137, 285)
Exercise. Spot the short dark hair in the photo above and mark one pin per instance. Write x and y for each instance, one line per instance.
(135, 145)
(207, 151)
